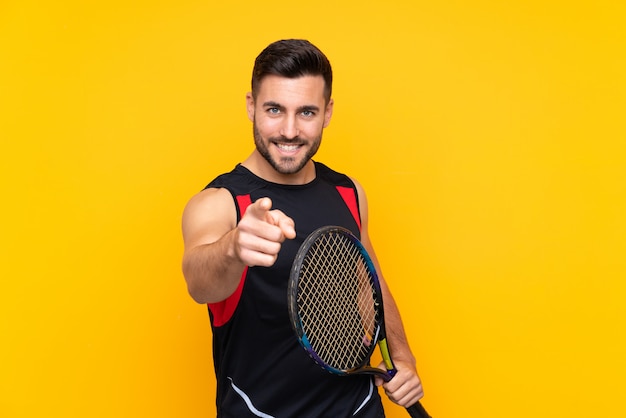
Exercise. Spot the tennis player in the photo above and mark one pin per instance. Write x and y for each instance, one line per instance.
(241, 234)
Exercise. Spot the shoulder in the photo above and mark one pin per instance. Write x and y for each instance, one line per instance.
(211, 209)
(363, 207)
(359, 188)
(207, 202)
(340, 179)
(328, 174)
(238, 181)
(210, 196)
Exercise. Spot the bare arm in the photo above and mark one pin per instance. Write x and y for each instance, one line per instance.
(217, 249)
(405, 388)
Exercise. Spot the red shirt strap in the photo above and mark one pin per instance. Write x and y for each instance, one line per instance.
(243, 202)
(349, 196)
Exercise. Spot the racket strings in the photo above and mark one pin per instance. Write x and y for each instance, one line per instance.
(336, 303)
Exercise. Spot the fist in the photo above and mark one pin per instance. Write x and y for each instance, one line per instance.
(261, 233)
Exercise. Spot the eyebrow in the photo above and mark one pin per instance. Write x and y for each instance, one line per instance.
(305, 108)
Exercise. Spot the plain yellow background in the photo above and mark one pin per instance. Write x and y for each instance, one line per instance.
(490, 136)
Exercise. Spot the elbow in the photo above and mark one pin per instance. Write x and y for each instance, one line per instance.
(198, 296)
(207, 286)
(194, 287)
(200, 291)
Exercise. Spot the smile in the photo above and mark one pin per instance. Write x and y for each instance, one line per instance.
(289, 148)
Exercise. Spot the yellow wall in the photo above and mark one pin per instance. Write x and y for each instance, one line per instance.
(489, 134)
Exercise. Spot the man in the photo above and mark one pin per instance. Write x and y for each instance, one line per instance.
(242, 232)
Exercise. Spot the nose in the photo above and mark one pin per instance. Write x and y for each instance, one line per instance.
(289, 128)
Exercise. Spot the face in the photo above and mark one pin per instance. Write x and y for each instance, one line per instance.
(289, 115)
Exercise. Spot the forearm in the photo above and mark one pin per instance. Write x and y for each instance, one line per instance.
(213, 271)
(396, 335)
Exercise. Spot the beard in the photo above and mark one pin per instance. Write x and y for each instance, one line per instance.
(285, 165)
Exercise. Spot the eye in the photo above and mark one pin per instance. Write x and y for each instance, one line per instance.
(308, 113)
(273, 111)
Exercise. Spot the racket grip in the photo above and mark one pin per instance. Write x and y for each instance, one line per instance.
(417, 411)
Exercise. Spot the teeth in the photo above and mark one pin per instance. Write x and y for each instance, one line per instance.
(286, 147)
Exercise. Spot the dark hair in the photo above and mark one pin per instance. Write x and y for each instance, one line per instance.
(292, 58)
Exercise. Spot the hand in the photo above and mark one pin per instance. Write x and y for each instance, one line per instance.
(261, 233)
(405, 389)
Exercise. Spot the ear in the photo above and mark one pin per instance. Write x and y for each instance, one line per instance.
(328, 112)
(250, 106)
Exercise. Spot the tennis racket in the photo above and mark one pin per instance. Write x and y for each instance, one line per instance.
(336, 306)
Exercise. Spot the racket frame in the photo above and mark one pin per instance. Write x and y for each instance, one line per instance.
(379, 339)
(379, 334)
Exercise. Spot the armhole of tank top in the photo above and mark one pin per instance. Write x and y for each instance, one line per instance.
(348, 194)
(221, 312)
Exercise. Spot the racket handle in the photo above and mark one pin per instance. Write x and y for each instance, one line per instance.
(417, 411)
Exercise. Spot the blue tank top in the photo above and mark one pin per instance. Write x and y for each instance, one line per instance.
(261, 369)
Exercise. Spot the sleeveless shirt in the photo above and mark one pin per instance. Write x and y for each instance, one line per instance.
(261, 369)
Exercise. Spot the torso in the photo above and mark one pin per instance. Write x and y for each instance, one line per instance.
(261, 368)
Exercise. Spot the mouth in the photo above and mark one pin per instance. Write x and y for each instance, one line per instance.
(288, 148)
